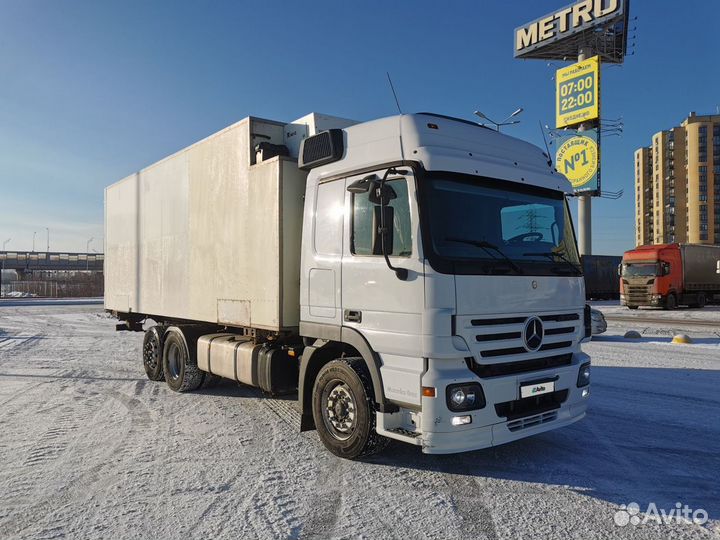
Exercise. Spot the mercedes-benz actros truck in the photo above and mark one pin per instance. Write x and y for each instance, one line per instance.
(414, 277)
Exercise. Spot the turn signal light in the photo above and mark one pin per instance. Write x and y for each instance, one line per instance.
(428, 391)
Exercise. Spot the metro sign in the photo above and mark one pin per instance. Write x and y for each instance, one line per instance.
(559, 35)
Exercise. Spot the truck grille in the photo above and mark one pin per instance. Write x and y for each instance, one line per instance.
(521, 408)
(519, 366)
(530, 421)
(499, 341)
(637, 293)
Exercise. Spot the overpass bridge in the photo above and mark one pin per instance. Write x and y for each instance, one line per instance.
(31, 261)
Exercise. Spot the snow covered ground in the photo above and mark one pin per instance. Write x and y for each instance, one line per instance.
(91, 449)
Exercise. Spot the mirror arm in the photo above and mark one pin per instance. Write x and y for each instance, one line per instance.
(401, 273)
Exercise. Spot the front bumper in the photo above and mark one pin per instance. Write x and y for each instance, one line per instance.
(488, 428)
(641, 299)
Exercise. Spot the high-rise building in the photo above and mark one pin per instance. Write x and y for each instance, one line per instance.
(677, 184)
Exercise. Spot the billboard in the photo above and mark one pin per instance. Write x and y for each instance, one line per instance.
(577, 93)
(578, 158)
(600, 24)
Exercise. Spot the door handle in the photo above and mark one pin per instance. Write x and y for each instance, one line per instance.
(352, 315)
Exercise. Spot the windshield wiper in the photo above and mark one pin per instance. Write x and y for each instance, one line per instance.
(487, 246)
(552, 254)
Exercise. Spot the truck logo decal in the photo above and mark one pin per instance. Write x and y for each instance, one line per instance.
(533, 334)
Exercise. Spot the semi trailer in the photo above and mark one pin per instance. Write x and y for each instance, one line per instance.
(670, 275)
(413, 277)
(601, 276)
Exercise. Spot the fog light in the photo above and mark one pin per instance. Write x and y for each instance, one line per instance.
(461, 420)
(584, 375)
(585, 392)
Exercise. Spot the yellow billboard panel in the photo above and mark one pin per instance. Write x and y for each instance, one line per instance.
(578, 159)
(578, 93)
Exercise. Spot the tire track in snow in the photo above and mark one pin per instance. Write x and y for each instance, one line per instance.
(49, 504)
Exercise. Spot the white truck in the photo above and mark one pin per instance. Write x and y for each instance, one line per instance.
(414, 277)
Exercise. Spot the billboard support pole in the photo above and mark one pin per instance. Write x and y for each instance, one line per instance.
(584, 201)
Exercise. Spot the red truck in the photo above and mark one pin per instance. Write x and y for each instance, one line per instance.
(670, 275)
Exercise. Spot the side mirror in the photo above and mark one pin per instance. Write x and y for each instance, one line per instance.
(381, 195)
(717, 270)
(389, 218)
(619, 270)
(665, 269)
(363, 184)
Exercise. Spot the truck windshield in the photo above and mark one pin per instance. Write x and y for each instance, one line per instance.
(484, 226)
(640, 269)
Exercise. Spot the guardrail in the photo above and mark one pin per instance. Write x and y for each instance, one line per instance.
(33, 260)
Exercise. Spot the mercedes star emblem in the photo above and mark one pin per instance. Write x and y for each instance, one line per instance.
(533, 334)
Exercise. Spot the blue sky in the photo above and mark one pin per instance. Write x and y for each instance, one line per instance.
(94, 90)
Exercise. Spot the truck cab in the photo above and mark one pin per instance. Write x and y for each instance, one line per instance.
(650, 275)
(438, 262)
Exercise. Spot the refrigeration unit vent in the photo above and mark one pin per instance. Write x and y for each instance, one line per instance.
(320, 149)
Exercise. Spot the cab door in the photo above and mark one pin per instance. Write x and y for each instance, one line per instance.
(322, 254)
(385, 309)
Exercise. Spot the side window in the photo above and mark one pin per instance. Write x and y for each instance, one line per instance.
(329, 211)
(365, 217)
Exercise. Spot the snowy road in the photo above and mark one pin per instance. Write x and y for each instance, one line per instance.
(91, 449)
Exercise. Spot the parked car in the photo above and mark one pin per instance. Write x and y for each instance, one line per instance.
(598, 322)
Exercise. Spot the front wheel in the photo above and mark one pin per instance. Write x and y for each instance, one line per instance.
(671, 302)
(343, 411)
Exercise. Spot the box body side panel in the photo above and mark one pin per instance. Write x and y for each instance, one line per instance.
(197, 236)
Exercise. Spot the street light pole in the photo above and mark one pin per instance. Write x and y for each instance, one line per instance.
(34, 235)
(87, 251)
(48, 238)
(2, 265)
(505, 122)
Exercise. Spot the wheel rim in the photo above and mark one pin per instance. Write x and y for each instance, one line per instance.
(175, 361)
(339, 410)
(150, 354)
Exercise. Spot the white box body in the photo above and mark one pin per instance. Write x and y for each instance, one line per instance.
(208, 235)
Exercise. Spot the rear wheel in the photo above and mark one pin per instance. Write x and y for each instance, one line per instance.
(701, 301)
(343, 411)
(152, 353)
(179, 361)
(632, 307)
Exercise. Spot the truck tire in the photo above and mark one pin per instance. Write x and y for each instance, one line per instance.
(671, 302)
(701, 301)
(180, 361)
(343, 409)
(152, 353)
(632, 307)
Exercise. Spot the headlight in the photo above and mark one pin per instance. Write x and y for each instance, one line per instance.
(465, 397)
(584, 375)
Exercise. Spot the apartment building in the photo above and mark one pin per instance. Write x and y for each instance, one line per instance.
(677, 184)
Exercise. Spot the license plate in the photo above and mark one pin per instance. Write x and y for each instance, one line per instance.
(536, 389)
